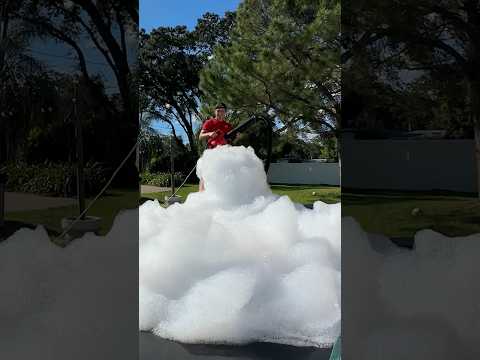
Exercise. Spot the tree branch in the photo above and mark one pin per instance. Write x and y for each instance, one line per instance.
(60, 35)
(104, 51)
(366, 39)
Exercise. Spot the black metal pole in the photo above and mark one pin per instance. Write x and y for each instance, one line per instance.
(172, 167)
(2, 202)
(251, 121)
(79, 143)
(269, 144)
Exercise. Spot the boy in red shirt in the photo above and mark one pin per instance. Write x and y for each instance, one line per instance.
(214, 129)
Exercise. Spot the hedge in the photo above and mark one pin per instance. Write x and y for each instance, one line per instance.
(54, 179)
(160, 179)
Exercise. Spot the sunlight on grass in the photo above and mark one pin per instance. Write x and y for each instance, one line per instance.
(297, 193)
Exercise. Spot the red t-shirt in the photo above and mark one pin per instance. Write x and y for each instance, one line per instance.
(221, 126)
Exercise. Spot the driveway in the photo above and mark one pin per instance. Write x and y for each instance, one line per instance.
(148, 189)
(25, 202)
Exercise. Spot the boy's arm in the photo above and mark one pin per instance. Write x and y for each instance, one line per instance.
(204, 134)
(206, 130)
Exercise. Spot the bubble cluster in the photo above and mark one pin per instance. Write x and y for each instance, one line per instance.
(236, 263)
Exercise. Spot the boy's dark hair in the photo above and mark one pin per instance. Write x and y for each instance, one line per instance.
(221, 106)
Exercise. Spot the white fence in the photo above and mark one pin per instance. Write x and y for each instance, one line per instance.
(409, 165)
(390, 164)
(315, 173)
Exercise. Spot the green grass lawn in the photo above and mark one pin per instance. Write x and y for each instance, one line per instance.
(107, 207)
(183, 192)
(304, 193)
(390, 213)
(297, 193)
(386, 213)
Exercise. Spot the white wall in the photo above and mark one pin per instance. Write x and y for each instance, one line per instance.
(304, 173)
(390, 164)
(409, 164)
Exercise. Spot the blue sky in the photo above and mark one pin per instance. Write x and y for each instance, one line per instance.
(61, 57)
(154, 13)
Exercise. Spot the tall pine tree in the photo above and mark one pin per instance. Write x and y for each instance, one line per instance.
(283, 56)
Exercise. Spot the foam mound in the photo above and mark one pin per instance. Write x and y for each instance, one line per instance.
(237, 264)
(414, 304)
(49, 295)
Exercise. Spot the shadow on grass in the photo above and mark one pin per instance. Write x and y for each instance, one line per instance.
(11, 227)
(473, 220)
(108, 206)
(414, 193)
(143, 199)
(301, 187)
(365, 199)
(392, 215)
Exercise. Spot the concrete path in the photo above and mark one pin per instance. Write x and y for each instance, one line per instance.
(24, 202)
(147, 189)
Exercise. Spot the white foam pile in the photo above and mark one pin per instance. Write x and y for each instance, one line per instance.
(411, 304)
(75, 302)
(236, 264)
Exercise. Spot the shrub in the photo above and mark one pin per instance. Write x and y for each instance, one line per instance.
(54, 179)
(160, 179)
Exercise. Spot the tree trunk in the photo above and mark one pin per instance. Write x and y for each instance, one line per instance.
(122, 68)
(193, 143)
(4, 20)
